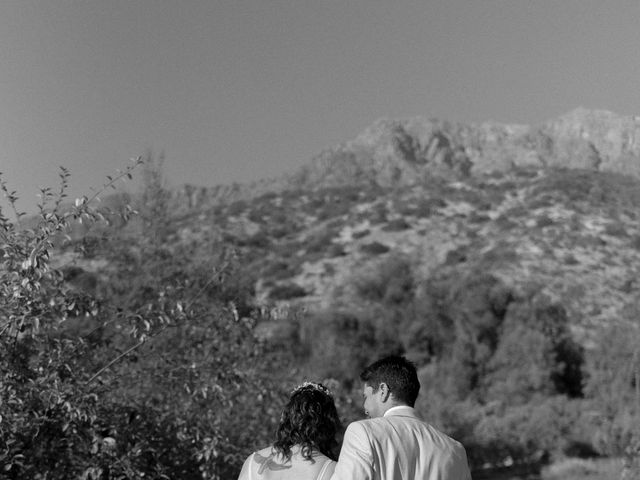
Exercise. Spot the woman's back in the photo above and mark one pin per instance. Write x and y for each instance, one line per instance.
(267, 464)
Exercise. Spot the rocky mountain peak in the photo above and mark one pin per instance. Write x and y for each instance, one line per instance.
(402, 151)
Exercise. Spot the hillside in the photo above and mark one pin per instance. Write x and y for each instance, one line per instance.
(554, 205)
(502, 259)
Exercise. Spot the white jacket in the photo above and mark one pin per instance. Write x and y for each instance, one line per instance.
(399, 446)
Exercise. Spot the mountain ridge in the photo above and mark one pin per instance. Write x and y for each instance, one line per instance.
(402, 151)
(553, 205)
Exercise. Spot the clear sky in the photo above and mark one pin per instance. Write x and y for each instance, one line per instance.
(236, 90)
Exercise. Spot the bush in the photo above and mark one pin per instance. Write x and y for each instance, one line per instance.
(336, 250)
(236, 208)
(635, 242)
(615, 229)
(374, 248)
(457, 255)
(507, 358)
(279, 270)
(570, 259)
(378, 213)
(613, 387)
(342, 343)
(544, 221)
(525, 431)
(287, 291)
(396, 225)
(363, 233)
(428, 206)
(259, 239)
(149, 391)
(320, 242)
(390, 283)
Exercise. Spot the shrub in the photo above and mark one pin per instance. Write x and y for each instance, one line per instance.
(378, 213)
(570, 259)
(544, 221)
(457, 255)
(236, 208)
(374, 248)
(526, 430)
(366, 231)
(287, 291)
(390, 283)
(149, 391)
(396, 225)
(428, 206)
(505, 357)
(476, 217)
(279, 270)
(342, 343)
(615, 229)
(591, 187)
(256, 215)
(613, 386)
(259, 239)
(320, 242)
(336, 250)
(635, 242)
(503, 222)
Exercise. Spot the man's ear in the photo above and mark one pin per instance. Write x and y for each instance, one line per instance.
(385, 393)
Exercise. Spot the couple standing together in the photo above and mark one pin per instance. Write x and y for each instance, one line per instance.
(392, 444)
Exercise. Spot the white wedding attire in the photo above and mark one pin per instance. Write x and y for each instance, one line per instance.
(399, 446)
(266, 464)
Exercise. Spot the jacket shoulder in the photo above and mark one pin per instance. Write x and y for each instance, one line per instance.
(359, 427)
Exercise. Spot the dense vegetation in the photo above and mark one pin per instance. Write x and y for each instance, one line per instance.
(134, 347)
(143, 369)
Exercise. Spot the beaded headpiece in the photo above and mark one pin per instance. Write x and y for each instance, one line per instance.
(312, 386)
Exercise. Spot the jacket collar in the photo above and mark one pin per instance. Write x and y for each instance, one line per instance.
(401, 411)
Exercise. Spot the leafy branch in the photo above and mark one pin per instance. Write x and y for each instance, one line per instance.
(181, 309)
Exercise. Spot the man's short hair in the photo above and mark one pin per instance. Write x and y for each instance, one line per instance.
(398, 373)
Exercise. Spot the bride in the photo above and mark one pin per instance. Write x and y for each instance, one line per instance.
(305, 447)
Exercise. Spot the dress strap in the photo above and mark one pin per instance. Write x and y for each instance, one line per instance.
(324, 469)
(251, 462)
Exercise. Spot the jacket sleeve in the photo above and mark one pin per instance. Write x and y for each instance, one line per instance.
(465, 473)
(356, 456)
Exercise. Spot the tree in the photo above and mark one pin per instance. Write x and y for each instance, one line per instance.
(147, 391)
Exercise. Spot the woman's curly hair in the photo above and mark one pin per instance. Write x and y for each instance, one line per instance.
(309, 419)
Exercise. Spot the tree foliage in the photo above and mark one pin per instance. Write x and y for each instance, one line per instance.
(500, 368)
(138, 377)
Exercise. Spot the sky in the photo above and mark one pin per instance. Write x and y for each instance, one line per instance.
(238, 90)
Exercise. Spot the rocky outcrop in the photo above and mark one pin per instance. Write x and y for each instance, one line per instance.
(615, 138)
(404, 151)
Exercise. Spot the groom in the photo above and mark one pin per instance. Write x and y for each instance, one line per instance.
(394, 444)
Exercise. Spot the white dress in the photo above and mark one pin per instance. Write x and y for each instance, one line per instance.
(267, 464)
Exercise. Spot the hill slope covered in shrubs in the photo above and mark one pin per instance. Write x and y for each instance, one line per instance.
(502, 259)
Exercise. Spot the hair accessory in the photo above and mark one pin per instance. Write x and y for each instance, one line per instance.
(312, 386)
